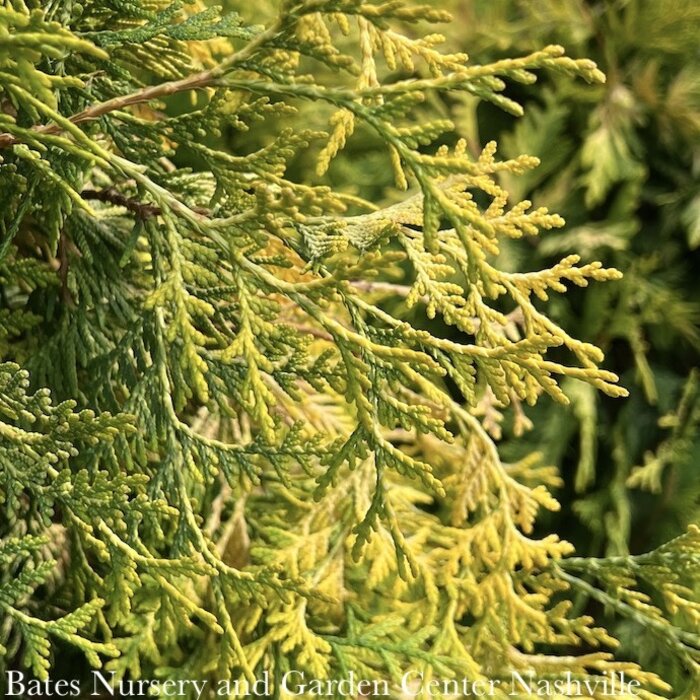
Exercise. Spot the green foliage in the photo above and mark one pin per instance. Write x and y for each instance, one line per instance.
(662, 570)
(270, 467)
(622, 169)
(31, 632)
(639, 134)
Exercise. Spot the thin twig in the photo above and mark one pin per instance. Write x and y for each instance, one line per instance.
(143, 210)
(196, 81)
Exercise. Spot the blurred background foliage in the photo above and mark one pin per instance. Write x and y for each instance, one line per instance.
(621, 163)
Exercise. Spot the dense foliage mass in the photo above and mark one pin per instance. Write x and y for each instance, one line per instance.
(620, 162)
(249, 409)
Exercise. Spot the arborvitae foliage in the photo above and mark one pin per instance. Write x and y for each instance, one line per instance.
(239, 458)
(620, 162)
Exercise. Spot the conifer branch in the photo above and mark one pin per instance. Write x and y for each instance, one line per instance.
(197, 81)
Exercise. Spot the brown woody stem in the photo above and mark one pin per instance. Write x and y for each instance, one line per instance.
(192, 82)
